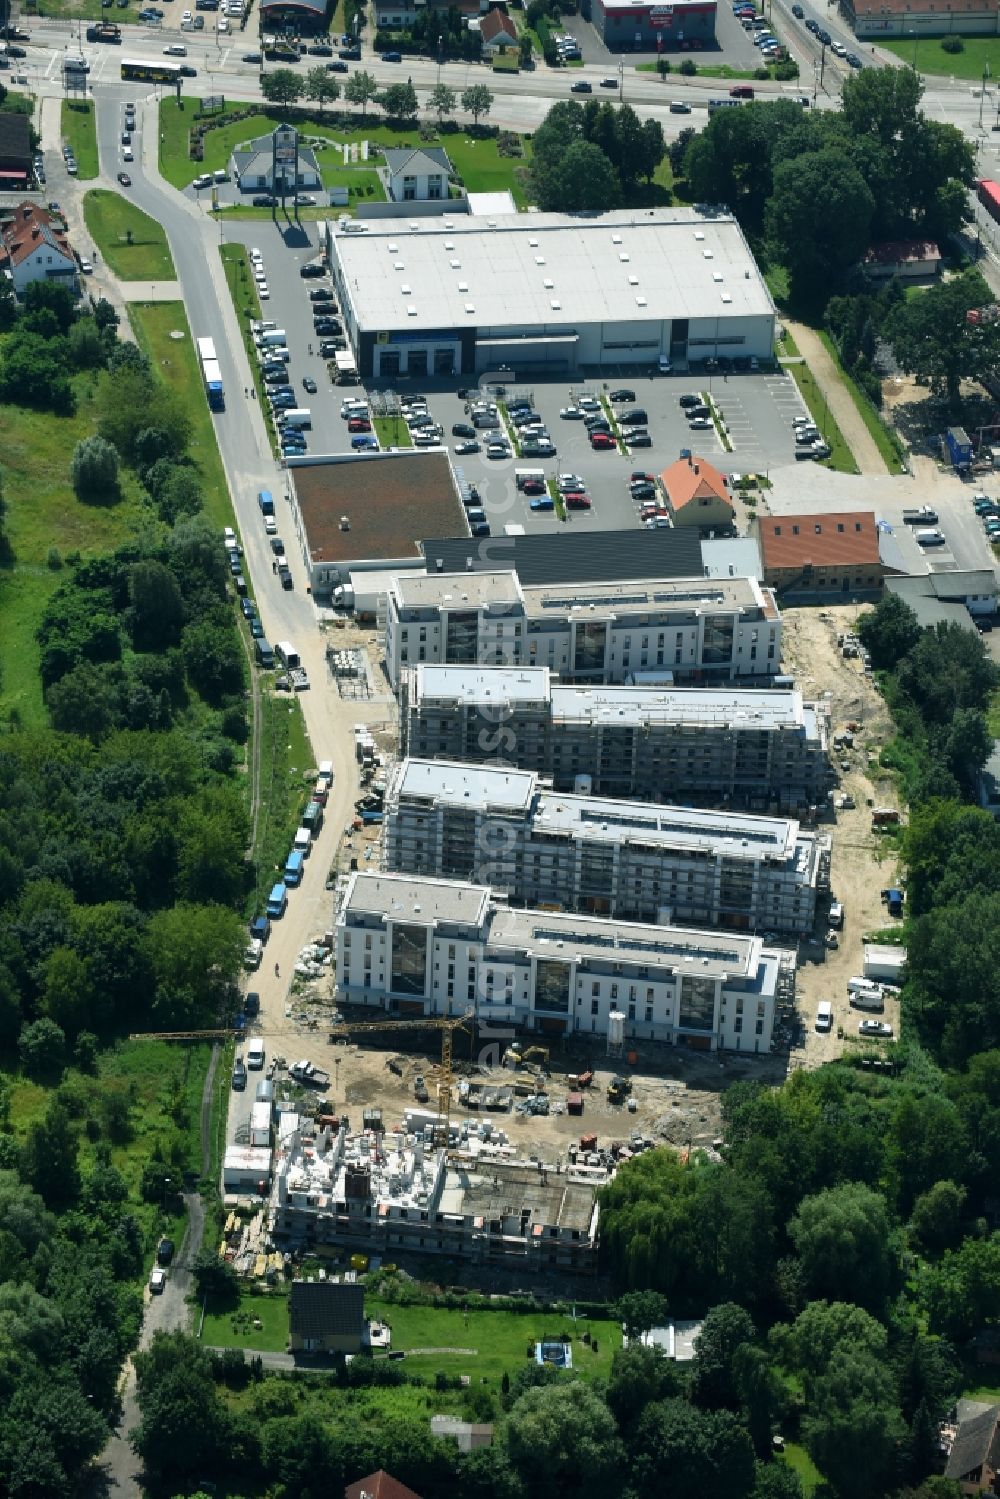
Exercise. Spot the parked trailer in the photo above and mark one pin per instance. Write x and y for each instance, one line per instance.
(988, 194)
(211, 374)
(959, 448)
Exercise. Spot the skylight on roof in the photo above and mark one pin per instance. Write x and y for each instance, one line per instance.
(539, 259)
(470, 306)
(640, 301)
(623, 256)
(398, 265)
(449, 244)
(633, 281)
(699, 234)
(463, 286)
(393, 249)
(455, 265)
(727, 296)
(548, 284)
(717, 276)
(411, 311)
(616, 239)
(405, 290)
(555, 304)
(708, 254)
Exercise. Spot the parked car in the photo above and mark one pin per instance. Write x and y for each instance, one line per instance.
(312, 268)
(264, 200)
(700, 423)
(581, 87)
(158, 1278)
(464, 449)
(623, 394)
(124, 179)
(874, 1028)
(601, 441)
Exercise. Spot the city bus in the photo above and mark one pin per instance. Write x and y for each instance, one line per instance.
(211, 374)
(151, 72)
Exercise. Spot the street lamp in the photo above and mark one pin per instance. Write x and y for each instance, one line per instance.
(982, 93)
(914, 36)
(621, 80)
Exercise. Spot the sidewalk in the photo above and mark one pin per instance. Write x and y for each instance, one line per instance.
(838, 399)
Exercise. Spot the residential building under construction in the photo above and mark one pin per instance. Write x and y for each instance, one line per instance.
(430, 947)
(634, 860)
(762, 749)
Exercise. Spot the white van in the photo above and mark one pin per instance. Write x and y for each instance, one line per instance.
(302, 842)
(824, 1016)
(287, 654)
(297, 416)
(255, 1054)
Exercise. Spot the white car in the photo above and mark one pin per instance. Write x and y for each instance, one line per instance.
(262, 291)
(86, 267)
(874, 1028)
(571, 414)
(270, 525)
(569, 482)
(187, 16)
(157, 1280)
(838, 49)
(127, 154)
(222, 24)
(176, 49)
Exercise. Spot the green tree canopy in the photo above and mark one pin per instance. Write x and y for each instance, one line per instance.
(842, 1237)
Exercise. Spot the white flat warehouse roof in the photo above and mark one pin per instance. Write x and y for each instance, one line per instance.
(551, 270)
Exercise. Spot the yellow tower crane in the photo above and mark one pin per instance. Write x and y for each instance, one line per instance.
(447, 1025)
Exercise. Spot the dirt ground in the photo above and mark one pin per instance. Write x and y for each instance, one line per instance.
(863, 863)
(677, 1093)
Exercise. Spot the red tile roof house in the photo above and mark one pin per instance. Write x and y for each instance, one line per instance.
(822, 556)
(380, 1485)
(910, 259)
(497, 30)
(32, 249)
(697, 494)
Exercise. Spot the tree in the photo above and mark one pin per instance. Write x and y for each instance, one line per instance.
(49, 1159)
(33, 372)
(442, 100)
(651, 149)
(282, 86)
(639, 1311)
(477, 100)
(808, 1345)
(183, 1427)
(216, 1279)
(639, 1375)
(888, 631)
(41, 1047)
(321, 87)
(50, 296)
(86, 347)
(776, 1481)
(156, 611)
(587, 180)
(819, 213)
(759, 1393)
(691, 1454)
(94, 469)
(954, 985)
(725, 1329)
(67, 992)
(933, 339)
(525, 50)
(843, 1240)
(852, 1427)
(400, 101)
(562, 1440)
(361, 88)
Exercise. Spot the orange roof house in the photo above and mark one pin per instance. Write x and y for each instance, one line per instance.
(697, 494)
(824, 554)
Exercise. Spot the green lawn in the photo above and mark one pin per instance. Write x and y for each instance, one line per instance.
(841, 458)
(80, 131)
(478, 162)
(969, 63)
(392, 432)
(499, 1338)
(111, 219)
(285, 782)
(236, 1329)
(881, 436)
(45, 516)
(176, 361)
(719, 70)
(809, 1475)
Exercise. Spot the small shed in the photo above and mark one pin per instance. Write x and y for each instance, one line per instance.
(884, 963)
(246, 1168)
(260, 1124)
(325, 1317)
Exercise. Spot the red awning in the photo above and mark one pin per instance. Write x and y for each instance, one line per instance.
(16, 176)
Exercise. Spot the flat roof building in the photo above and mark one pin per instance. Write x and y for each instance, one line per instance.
(766, 750)
(545, 291)
(603, 856)
(694, 629)
(406, 945)
(359, 512)
(571, 557)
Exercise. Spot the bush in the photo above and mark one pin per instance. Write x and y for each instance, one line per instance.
(687, 68)
(952, 45)
(94, 469)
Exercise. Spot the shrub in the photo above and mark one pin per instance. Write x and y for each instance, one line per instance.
(687, 68)
(952, 45)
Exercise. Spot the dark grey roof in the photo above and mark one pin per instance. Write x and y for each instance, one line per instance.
(397, 157)
(974, 1442)
(15, 136)
(321, 1309)
(565, 557)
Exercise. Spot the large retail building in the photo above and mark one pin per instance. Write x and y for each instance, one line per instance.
(548, 292)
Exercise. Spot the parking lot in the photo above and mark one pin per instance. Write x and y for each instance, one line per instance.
(734, 46)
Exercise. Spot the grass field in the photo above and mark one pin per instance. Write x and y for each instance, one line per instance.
(235, 1329)
(969, 63)
(286, 757)
(881, 436)
(499, 1340)
(43, 515)
(111, 219)
(479, 163)
(392, 432)
(176, 361)
(79, 130)
(798, 1459)
(841, 458)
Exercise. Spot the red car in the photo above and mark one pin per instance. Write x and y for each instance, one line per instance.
(601, 441)
(533, 486)
(577, 501)
(638, 477)
(359, 424)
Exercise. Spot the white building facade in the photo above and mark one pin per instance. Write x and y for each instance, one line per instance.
(422, 947)
(690, 629)
(631, 860)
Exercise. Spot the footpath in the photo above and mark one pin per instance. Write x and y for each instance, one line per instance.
(838, 399)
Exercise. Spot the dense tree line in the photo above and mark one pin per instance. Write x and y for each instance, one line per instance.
(938, 684)
(588, 157)
(820, 186)
(49, 337)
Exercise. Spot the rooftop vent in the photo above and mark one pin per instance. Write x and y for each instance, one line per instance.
(548, 284)
(555, 304)
(717, 276)
(470, 306)
(539, 259)
(393, 249)
(624, 256)
(463, 286)
(411, 311)
(455, 265)
(405, 290)
(616, 239)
